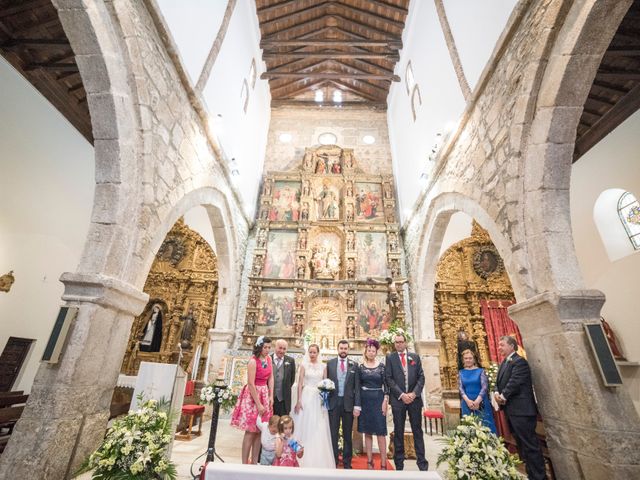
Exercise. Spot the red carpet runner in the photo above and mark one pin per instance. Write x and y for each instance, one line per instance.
(359, 462)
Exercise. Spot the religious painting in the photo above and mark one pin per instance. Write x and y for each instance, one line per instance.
(372, 254)
(325, 255)
(486, 261)
(373, 311)
(281, 249)
(275, 308)
(328, 160)
(285, 206)
(368, 199)
(326, 196)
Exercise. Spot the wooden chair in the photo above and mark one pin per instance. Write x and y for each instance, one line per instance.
(193, 413)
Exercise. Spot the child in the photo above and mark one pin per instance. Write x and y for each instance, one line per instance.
(268, 439)
(287, 449)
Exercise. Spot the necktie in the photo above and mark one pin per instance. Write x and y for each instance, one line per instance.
(342, 364)
(403, 360)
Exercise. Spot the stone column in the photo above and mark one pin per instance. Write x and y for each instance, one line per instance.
(68, 408)
(429, 351)
(219, 342)
(593, 432)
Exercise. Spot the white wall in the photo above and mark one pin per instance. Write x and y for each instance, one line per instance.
(458, 229)
(197, 219)
(243, 135)
(613, 163)
(46, 185)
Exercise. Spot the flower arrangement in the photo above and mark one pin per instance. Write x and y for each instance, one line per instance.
(492, 376)
(471, 452)
(134, 448)
(220, 394)
(325, 387)
(307, 337)
(387, 337)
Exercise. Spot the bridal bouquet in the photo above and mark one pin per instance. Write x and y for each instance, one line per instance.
(325, 387)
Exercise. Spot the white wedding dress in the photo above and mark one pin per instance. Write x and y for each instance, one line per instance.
(311, 424)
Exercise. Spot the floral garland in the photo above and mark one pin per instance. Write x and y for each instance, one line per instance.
(471, 451)
(222, 395)
(135, 447)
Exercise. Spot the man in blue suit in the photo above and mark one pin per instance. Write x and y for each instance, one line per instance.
(405, 379)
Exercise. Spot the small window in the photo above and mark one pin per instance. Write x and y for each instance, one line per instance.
(629, 213)
(253, 73)
(416, 101)
(409, 79)
(244, 95)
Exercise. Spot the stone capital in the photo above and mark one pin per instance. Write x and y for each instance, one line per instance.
(556, 312)
(105, 291)
(221, 335)
(429, 348)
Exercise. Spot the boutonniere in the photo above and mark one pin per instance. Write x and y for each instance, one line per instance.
(287, 363)
(412, 362)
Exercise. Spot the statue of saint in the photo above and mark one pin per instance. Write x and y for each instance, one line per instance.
(151, 338)
(351, 329)
(351, 300)
(262, 238)
(613, 341)
(393, 296)
(188, 325)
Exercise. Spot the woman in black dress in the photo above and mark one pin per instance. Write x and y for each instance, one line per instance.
(374, 397)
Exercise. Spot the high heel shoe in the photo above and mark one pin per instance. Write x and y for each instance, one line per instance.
(370, 464)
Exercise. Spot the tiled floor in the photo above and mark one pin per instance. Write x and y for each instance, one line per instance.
(229, 447)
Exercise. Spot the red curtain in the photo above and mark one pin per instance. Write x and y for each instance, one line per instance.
(498, 324)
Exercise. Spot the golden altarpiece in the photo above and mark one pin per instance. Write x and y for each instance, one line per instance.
(468, 272)
(183, 283)
(327, 237)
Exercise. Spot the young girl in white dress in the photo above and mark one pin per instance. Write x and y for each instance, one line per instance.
(310, 417)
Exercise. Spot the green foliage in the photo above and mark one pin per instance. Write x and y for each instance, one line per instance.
(472, 452)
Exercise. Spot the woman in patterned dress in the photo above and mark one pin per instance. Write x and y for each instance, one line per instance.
(256, 398)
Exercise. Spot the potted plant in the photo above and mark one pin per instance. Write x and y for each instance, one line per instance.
(471, 451)
(135, 447)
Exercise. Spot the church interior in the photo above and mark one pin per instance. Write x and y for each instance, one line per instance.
(180, 179)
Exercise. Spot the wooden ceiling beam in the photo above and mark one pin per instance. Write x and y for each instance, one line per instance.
(277, 6)
(330, 76)
(311, 103)
(349, 21)
(623, 109)
(390, 56)
(291, 17)
(360, 93)
(60, 67)
(613, 89)
(31, 29)
(623, 52)
(300, 89)
(278, 34)
(601, 100)
(371, 17)
(23, 7)
(35, 42)
(391, 44)
(390, 8)
(619, 75)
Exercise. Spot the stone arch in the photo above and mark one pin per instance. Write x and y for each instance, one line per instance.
(438, 215)
(585, 32)
(226, 242)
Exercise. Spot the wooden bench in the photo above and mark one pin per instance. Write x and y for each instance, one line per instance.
(11, 407)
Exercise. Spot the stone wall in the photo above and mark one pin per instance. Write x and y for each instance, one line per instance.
(349, 124)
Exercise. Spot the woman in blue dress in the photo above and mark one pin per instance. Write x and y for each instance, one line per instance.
(374, 397)
(474, 386)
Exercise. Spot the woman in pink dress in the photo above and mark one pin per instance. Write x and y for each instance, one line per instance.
(256, 398)
(287, 449)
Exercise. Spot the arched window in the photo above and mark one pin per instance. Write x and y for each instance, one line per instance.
(253, 74)
(629, 213)
(244, 95)
(409, 79)
(416, 101)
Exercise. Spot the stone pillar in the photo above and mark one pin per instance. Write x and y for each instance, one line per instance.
(429, 351)
(593, 432)
(219, 342)
(68, 408)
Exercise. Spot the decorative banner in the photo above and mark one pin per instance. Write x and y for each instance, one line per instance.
(280, 261)
(373, 311)
(372, 254)
(285, 206)
(368, 199)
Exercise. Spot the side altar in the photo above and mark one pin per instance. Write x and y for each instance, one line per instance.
(327, 247)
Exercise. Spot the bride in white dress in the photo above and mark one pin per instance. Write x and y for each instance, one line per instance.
(311, 419)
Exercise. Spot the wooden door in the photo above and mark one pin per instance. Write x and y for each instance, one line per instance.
(11, 360)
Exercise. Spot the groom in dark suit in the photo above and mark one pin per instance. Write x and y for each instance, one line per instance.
(515, 397)
(405, 379)
(284, 375)
(344, 401)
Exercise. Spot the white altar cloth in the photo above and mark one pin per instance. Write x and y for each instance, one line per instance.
(237, 471)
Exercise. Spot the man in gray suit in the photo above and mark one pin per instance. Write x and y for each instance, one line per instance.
(344, 401)
(284, 375)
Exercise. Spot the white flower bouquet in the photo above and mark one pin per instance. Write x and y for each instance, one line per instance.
(134, 448)
(471, 451)
(325, 387)
(222, 395)
(387, 337)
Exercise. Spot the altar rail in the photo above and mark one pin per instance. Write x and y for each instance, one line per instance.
(236, 471)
